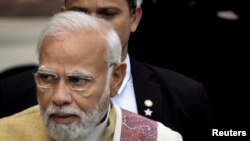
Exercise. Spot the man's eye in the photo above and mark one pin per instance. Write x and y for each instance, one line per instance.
(78, 81)
(47, 77)
(107, 14)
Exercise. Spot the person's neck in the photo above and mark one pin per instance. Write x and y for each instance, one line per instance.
(124, 54)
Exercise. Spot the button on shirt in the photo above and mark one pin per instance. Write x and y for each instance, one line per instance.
(125, 97)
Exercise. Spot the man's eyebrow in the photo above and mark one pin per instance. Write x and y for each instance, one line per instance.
(78, 8)
(45, 69)
(81, 72)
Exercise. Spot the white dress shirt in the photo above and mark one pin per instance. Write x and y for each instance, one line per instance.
(125, 97)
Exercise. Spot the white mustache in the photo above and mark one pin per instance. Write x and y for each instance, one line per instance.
(64, 110)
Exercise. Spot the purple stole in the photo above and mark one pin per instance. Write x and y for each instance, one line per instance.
(137, 128)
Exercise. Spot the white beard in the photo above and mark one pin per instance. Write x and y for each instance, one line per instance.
(76, 131)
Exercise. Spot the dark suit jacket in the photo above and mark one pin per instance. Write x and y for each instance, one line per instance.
(17, 92)
(178, 101)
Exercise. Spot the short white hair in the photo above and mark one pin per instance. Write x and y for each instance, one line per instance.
(66, 24)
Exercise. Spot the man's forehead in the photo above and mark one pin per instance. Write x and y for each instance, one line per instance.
(85, 47)
(97, 3)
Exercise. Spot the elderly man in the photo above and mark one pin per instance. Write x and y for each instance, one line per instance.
(79, 71)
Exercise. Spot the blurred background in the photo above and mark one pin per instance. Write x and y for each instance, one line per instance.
(21, 21)
(207, 40)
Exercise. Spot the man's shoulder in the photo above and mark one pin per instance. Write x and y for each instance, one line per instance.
(140, 127)
(28, 116)
(146, 129)
(171, 85)
(128, 117)
(162, 76)
(24, 126)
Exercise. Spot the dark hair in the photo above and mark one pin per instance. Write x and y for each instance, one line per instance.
(131, 4)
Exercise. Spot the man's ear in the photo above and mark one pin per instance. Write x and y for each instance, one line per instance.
(136, 18)
(117, 77)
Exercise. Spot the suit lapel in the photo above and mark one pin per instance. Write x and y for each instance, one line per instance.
(146, 89)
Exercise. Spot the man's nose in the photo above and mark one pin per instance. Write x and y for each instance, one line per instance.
(93, 14)
(62, 94)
